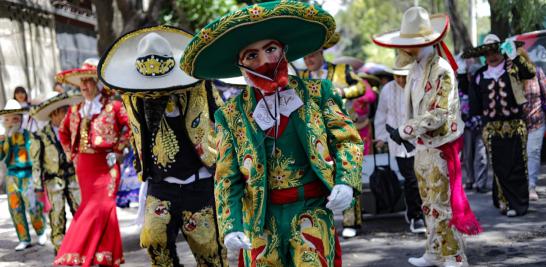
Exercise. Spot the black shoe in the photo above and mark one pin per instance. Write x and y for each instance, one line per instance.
(482, 190)
(468, 186)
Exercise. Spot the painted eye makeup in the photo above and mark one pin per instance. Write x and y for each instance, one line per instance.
(271, 49)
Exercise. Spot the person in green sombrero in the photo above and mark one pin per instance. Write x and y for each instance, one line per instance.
(288, 156)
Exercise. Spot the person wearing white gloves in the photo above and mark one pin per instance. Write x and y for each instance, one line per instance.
(288, 156)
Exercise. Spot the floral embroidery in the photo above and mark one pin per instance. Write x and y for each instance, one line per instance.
(256, 12)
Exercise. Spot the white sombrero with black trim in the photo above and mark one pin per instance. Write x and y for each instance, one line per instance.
(13, 108)
(53, 101)
(418, 29)
(146, 59)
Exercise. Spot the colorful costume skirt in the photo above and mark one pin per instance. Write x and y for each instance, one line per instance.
(94, 236)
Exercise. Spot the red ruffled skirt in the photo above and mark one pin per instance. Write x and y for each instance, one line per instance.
(93, 236)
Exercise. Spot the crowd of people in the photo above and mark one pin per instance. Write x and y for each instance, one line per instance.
(263, 172)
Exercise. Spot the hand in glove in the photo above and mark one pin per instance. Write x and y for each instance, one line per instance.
(237, 240)
(111, 159)
(394, 134)
(340, 198)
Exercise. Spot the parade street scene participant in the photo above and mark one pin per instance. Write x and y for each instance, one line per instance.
(287, 154)
(433, 118)
(171, 116)
(15, 144)
(498, 90)
(272, 133)
(93, 134)
(52, 172)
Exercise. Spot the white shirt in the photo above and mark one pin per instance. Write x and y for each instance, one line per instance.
(321, 73)
(492, 72)
(390, 110)
(91, 107)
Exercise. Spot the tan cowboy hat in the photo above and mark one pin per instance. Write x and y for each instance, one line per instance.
(13, 108)
(490, 42)
(74, 76)
(418, 29)
(404, 71)
(53, 101)
(146, 59)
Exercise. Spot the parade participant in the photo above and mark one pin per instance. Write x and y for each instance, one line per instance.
(392, 104)
(93, 134)
(172, 118)
(433, 118)
(287, 154)
(20, 187)
(348, 86)
(498, 90)
(52, 172)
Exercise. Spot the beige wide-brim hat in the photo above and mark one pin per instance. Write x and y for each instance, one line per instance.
(418, 29)
(355, 63)
(53, 101)
(13, 108)
(73, 77)
(146, 59)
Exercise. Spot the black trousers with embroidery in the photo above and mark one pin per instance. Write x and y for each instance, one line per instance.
(190, 208)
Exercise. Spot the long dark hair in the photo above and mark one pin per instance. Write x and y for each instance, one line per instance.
(20, 89)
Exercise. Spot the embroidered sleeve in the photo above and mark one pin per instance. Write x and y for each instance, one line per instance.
(344, 141)
(435, 116)
(36, 147)
(64, 131)
(524, 67)
(357, 87)
(228, 182)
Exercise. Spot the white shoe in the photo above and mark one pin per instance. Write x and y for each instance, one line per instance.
(422, 262)
(42, 239)
(511, 213)
(533, 196)
(348, 232)
(22, 245)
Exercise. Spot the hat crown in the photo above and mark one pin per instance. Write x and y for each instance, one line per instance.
(415, 23)
(491, 39)
(154, 44)
(90, 63)
(12, 104)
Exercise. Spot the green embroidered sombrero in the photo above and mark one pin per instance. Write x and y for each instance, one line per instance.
(213, 52)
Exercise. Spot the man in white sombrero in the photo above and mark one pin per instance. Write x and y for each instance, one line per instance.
(14, 150)
(171, 116)
(52, 171)
(288, 156)
(433, 120)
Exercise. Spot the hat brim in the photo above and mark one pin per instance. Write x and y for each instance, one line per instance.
(440, 27)
(481, 50)
(41, 112)
(73, 77)
(117, 67)
(356, 63)
(213, 52)
(20, 111)
(372, 79)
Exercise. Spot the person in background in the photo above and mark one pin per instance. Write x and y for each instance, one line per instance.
(14, 150)
(20, 94)
(474, 156)
(535, 92)
(58, 87)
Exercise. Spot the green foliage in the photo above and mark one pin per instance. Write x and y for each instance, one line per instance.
(523, 15)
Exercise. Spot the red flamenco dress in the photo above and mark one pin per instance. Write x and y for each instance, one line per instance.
(94, 236)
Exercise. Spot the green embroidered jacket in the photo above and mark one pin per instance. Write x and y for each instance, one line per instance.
(329, 138)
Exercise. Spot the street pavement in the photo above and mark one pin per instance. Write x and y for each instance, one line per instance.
(385, 240)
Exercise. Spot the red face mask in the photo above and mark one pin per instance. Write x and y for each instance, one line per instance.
(268, 70)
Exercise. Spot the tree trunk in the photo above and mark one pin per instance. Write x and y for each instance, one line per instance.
(461, 39)
(105, 31)
(500, 23)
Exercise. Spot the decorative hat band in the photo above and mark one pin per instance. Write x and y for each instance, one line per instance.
(421, 33)
(154, 65)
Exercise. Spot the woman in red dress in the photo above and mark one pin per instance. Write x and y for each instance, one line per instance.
(93, 133)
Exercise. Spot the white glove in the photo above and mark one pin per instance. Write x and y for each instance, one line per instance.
(340, 198)
(111, 159)
(237, 240)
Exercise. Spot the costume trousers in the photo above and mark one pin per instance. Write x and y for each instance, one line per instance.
(59, 192)
(352, 217)
(20, 191)
(474, 159)
(444, 242)
(411, 188)
(301, 233)
(190, 208)
(506, 143)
